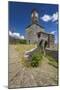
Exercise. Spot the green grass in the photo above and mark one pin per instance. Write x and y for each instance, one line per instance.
(36, 59)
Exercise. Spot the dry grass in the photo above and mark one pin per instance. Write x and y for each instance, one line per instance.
(21, 48)
(24, 47)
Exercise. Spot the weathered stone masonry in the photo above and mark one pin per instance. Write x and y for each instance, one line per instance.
(35, 33)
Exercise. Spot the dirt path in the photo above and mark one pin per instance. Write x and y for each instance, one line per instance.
(21, 76)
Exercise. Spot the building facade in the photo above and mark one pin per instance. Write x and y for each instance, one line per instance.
(35, 33)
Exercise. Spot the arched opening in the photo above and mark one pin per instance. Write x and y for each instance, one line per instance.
(29, 41)
(45, 44)
(40, 43)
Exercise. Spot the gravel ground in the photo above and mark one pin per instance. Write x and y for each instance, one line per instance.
(22, 76)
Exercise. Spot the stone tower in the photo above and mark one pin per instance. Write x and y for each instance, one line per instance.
(34, 16)
(33, 28)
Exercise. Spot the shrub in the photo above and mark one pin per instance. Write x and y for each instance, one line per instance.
(36, 58)
(17, 41)
(22, 41)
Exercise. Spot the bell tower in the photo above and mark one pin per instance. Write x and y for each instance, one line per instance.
(34, 17)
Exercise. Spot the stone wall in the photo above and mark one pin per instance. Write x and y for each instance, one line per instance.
(51, 40)
(53, 53)
(31, 33)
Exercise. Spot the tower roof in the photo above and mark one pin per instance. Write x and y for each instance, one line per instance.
(35, 16)
(36, 24)
(34, 10)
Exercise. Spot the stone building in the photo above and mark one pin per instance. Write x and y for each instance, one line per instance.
(35, 33)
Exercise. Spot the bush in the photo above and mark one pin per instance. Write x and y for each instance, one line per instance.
(17, 41)
(22, 41)
(36, 58)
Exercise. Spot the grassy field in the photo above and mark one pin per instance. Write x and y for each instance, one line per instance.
(24, 47)
(21, 48)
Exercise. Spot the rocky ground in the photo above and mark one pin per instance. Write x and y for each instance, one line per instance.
(22, 76)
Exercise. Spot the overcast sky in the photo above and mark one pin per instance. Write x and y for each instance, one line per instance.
(20, 17)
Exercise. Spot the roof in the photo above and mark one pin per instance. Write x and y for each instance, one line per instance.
(33, 24)
(46, 33)
(34, 10)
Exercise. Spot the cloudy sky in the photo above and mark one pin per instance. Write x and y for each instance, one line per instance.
(20, 17)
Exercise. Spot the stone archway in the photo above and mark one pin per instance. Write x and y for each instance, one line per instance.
(42, 45)
(45, 44)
